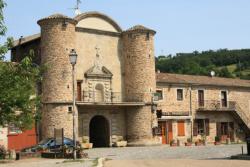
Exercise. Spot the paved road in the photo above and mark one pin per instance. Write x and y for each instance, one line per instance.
(166, 152)
(39, 162)
(177, 163)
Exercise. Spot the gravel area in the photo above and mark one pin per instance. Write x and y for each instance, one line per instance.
(166, 152)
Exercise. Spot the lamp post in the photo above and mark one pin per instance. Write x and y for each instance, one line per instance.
(73, 58)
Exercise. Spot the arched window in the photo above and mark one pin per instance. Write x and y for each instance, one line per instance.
(99, 93)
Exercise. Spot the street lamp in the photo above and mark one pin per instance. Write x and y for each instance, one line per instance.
(72, 59)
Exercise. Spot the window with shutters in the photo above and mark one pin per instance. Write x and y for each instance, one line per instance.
(181, 128)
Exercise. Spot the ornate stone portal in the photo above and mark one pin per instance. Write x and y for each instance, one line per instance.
(99, 81)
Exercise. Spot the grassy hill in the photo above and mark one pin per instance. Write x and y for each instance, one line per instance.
(225, 63)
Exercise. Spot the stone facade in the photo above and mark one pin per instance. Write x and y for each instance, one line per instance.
(116, 82)
(57, 39)
(189, 107)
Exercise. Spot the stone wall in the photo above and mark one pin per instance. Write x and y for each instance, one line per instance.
(56, 116)
(109, 50)
(211, 94)
(57, 40)
(115, 117)
(138, 53)
(139, 82)
(169, 103)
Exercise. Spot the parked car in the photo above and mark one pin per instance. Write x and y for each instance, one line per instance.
(49, 144)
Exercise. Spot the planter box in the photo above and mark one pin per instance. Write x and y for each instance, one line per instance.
(217, 143)
(173, 145)
(87, 145)
(121, 144)
(199, 144)
(188, 144)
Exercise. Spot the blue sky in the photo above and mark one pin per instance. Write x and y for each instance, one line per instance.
(181, 25)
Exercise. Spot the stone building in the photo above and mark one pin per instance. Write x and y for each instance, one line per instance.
(116, 85)
(199, 106)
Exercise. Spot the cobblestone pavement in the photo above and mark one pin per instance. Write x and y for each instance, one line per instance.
(166, 152)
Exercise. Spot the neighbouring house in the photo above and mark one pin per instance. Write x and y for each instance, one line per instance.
(116, 86)
(200, 106)
(3, 136)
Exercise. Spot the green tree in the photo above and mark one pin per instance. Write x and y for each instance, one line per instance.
(19, 104)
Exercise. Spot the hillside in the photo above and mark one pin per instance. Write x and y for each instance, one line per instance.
(225, 63)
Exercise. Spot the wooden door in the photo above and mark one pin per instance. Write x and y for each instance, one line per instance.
(79, 91)
(163, 132)
(201, 98)
(169, 132)
(224, 131)
(231, 131)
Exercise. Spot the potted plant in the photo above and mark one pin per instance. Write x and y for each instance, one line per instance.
(217, 140)
(189, 142)
(173, 143)
(199, 142)
(3, 152)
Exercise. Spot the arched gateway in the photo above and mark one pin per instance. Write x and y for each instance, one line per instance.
(99, 131)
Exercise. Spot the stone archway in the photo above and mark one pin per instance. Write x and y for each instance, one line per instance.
(99, 131)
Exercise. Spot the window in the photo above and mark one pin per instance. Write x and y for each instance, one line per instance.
(159, 113)
(201, 127)
(224, 98)
(159, 94)
(179, 94)
(181, 128)
(201, 98)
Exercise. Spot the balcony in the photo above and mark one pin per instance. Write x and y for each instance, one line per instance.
(96, 98)
(216, 105)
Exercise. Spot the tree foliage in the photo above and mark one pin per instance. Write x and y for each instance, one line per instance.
(202, 63)
(19, 104)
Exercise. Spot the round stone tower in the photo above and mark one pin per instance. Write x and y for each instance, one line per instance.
(140, 82)
(57, 39)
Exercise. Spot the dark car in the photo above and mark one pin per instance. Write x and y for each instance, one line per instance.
(49, 144)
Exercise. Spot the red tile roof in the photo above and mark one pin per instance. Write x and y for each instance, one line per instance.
(200, 80)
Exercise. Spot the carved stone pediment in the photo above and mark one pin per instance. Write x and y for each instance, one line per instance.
(98, 72)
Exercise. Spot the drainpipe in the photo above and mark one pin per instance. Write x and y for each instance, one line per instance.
(190, 111)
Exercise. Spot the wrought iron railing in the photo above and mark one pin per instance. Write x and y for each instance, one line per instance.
(113, 97)
(216, 105)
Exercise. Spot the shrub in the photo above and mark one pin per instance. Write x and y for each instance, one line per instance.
(217, 138)
(3, 152)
